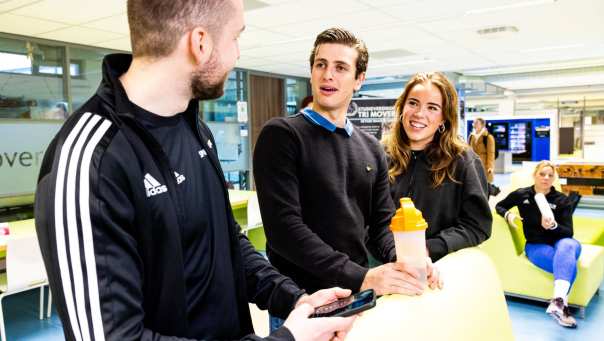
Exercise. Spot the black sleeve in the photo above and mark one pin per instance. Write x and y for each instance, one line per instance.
(511, 200)
(266, 287)
(275, 172)
(381, 240)
(473, 224)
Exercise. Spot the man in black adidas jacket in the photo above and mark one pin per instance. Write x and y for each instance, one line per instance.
(132, 211)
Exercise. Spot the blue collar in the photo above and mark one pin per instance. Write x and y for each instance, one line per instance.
(321, 121)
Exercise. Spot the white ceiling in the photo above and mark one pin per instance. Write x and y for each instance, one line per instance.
(439, 34)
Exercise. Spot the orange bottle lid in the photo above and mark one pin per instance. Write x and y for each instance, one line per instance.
(407, 218)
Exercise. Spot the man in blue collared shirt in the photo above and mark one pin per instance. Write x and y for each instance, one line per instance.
(323, 185)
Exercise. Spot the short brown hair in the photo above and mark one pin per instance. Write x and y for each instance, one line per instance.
(337, 35)
(156, 26)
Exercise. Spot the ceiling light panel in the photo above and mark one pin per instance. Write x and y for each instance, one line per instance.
(551, 82)
(391, 54)
(276, 48)
(561, 65)
(295, 12)
(356, 22)
(73, 11)
(117, 24)
(257, 37)
(17, 24)
(405, 37)
(423, 11)
(510, 6)
(6, 6)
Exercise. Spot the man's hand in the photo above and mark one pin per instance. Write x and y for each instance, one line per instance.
(393, 278)
(548, 223)
(434, 278)
(511, 217)
(323, 297)
(320, 328)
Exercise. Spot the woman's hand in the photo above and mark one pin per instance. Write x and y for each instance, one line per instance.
(548, 223)
(511, 217)
(434, 278)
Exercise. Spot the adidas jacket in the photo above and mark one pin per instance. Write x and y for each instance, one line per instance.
(108, 222)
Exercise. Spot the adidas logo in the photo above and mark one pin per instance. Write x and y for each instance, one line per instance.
(153, 187)
(202, 153)
(179, 178)
(526, 201)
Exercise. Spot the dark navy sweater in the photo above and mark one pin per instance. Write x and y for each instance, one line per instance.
(324, 199)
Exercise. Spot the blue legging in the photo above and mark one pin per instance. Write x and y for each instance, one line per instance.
(560, 259)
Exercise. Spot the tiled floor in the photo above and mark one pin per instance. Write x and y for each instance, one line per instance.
(530, 322)
(21, 319)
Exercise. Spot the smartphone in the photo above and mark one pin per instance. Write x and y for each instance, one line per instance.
(347, 306)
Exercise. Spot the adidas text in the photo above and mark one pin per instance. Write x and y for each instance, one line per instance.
(153, 187)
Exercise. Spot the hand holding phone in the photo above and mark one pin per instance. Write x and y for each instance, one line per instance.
(347, 306)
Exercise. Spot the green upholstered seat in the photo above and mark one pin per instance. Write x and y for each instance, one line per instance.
(520, 277)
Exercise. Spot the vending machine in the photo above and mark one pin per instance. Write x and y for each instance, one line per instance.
(527, 139)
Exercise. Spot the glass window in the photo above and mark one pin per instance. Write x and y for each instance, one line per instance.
(86, 73)
(296, 90)
(227, 119)
(31, 82)
(224, 109)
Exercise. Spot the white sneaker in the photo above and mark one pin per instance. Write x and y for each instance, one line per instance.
(561, 313)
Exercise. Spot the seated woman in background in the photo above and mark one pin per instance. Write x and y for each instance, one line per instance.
(431, 164)
(549, 242)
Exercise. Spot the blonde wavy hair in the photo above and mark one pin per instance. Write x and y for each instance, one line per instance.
(444, 148)
(543, 164)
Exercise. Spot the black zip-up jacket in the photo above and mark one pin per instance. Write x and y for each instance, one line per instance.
(457, 213)
(524, 199)
(110, 226)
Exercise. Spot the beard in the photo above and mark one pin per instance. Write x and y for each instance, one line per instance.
(204, 85)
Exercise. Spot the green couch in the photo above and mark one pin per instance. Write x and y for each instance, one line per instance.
(521, 278)
(589, 230)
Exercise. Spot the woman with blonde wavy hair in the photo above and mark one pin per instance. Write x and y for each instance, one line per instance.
(432, 165)
(549, 237)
